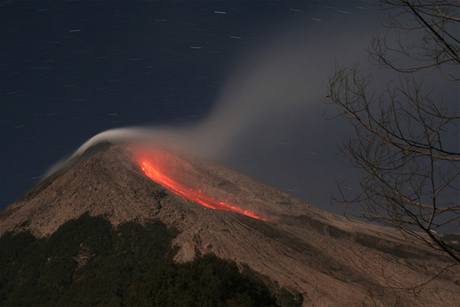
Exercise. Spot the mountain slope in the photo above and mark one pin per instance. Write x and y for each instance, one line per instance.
(328, 259)
(88, 263)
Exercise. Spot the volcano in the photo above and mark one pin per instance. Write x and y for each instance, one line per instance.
(318, 257)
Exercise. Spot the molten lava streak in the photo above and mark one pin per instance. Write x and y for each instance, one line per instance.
(154, 173)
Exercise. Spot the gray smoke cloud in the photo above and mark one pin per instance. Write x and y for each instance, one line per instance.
(269, 120)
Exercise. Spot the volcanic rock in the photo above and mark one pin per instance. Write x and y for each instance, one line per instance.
(328, 259)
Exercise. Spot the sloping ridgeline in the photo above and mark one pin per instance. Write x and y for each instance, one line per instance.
(88, 263)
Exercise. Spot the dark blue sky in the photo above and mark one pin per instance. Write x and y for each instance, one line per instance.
(71, 69)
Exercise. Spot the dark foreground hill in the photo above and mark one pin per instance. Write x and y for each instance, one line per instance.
(101, 232)
(88, 263)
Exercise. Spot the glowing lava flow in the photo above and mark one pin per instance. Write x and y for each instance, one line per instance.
(188, 193)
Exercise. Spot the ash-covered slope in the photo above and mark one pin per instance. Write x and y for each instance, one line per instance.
(328, 259)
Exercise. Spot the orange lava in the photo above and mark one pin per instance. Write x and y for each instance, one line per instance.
(156, 174)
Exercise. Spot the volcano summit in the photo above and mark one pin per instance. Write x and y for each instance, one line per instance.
(286, 252)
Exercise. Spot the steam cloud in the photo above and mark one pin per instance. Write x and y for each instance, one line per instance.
(269, 119)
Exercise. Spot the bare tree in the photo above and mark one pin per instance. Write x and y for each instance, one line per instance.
(405, 140)
(434, 25)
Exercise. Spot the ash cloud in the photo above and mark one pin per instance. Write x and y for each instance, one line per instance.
(269, 120)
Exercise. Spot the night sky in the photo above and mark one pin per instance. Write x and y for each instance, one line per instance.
(71, 69)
